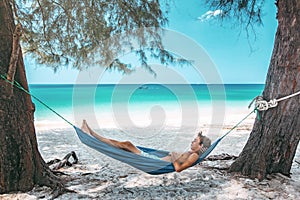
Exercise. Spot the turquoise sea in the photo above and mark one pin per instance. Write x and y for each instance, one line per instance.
(70, 100)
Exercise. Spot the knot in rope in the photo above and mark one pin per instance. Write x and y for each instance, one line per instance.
(263, 105)
(272, 103)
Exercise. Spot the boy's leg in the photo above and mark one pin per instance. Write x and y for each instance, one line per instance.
(127, 145)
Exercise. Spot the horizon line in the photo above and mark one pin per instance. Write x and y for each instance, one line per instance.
(146, 84)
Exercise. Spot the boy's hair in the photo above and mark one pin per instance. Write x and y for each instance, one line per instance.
(204, 140)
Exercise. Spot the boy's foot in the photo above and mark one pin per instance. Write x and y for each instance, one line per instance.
(84, 127)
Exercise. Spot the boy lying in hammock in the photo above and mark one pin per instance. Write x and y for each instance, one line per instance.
(180, 161)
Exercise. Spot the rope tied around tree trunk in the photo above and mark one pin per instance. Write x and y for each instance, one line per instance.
(262, 105)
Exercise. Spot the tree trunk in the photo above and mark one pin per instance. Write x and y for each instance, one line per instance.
(274, 139)
(21, 165)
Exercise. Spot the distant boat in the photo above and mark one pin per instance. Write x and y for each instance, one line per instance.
(143, 87)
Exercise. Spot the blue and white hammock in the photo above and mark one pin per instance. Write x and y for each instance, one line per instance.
(146, 164)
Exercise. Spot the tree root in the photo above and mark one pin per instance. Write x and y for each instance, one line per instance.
(59, 173)
(217, 168)
(53, 181)
(223, 156)
(60, 190)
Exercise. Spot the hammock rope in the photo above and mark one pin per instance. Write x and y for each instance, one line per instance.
(263, 105)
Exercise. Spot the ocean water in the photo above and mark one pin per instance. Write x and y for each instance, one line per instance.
(137, 102)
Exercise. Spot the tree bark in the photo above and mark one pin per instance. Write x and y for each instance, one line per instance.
(21, 165)
(274, 139)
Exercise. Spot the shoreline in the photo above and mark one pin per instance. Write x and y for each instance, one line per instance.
(149, 117)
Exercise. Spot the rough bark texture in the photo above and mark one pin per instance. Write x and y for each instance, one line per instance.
(274, 139)
(21, 165)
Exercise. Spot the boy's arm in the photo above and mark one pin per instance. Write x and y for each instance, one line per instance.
(186, 164)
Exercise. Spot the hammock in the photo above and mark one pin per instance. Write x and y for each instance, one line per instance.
(146, 164)
(149, 165)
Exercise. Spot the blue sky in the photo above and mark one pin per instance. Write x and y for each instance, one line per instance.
(227, 47)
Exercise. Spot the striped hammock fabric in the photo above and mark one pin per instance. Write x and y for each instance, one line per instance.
(149, 165)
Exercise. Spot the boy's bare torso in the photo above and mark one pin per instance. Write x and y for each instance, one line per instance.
(179, 157)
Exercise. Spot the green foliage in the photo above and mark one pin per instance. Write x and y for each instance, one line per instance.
(246, 13)
(87, 32)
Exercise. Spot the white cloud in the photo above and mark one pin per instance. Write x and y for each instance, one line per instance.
(209, 14)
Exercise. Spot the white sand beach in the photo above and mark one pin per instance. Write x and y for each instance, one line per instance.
(97, 176)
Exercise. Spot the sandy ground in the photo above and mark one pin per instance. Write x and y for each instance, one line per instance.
(97, 176)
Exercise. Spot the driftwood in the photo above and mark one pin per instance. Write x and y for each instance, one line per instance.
(56, 164)
(223, 156)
